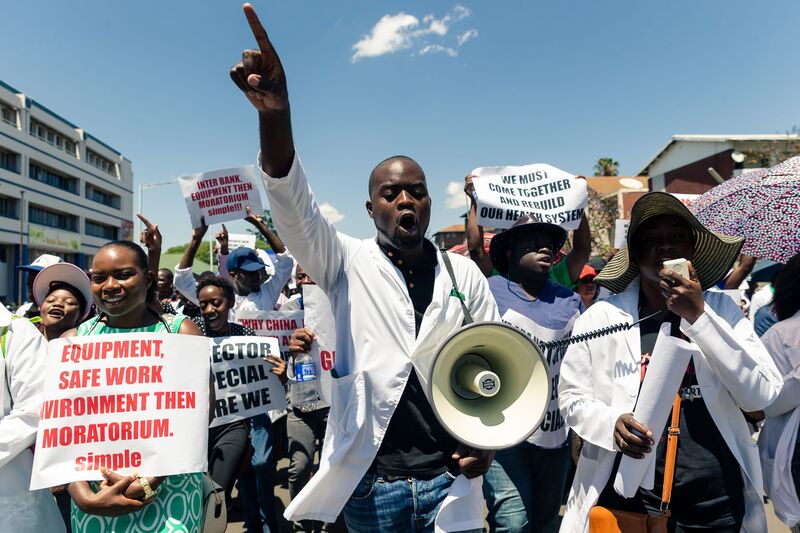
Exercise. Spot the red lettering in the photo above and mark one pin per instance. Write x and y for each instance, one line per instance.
(327, 359)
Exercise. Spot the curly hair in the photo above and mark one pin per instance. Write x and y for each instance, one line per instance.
(224, 285)
(786, 300)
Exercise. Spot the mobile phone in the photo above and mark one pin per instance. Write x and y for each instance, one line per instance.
(679, 266)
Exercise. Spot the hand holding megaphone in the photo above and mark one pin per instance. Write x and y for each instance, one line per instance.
(473, 462)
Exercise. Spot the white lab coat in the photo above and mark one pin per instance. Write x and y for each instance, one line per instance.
(600, 381)
(777, 439)
(376, 345)
(22, 371)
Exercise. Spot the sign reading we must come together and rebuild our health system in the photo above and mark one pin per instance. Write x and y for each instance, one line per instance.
(504, 194)
(133, 402)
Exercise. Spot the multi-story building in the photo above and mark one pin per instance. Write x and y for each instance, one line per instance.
(62, 191)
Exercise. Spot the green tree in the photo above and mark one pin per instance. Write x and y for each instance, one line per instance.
(606, 166)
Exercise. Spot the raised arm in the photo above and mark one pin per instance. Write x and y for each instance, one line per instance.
(581, 247)
(474, 232)
(258, 222)
(151, 239)
(261, 77)
(184, 279)
(311, 238)
(740, 273)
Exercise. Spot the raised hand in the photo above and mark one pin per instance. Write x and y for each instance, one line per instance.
(253, 218)
(222, 239)
(198, 234)
(150, 237)
(260, 74)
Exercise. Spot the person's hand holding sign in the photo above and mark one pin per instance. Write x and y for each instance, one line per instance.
(261, 77)
(222, 239)
(110, 500)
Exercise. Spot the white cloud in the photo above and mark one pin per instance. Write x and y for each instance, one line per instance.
(466, 36)
(438, 49)
(456, 199)
(331, 213)
(402, 31)
(390, 34)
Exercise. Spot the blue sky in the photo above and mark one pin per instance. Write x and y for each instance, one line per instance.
(455, 85)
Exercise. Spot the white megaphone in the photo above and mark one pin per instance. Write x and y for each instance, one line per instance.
(490, 386)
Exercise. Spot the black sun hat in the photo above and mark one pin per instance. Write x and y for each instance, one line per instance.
(525, 226)
(714, 253)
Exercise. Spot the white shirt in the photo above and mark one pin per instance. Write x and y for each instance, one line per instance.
(600, 381)
(376, 342)
(263, 300)
(22, 371)
(777, 439)
(760, 298)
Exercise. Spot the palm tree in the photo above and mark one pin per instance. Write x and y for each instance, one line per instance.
(606, 166)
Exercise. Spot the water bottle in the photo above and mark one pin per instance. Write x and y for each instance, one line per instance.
(304, 388)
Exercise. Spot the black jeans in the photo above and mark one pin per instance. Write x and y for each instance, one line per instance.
(227, 450)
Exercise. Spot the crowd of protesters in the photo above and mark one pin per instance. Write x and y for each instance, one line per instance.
(378, 458)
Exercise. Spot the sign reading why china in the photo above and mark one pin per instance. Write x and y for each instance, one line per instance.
(505, 194)
(278, 324)
(221, 195)
(243, 381)
(131, 402)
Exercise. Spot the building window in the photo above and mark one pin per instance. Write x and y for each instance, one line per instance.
(53, 138)
(8, 114)
(53, 219)
(104, 231)
(9, 160)
(8, 207)
(102, 197)
(104, 164)
(53, 178)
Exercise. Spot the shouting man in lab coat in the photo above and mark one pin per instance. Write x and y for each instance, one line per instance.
(386, 460)
(717, 484)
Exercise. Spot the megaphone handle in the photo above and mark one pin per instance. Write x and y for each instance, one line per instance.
(449, 266)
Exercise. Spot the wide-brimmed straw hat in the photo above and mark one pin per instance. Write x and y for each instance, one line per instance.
(523, 227)
(714, 254)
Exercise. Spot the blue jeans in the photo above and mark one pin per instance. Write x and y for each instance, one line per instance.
(257, 483)
(406, 505)
(524, 487)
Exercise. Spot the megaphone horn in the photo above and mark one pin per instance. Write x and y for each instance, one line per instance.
(489, 386)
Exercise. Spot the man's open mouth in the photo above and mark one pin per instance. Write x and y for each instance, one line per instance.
(408, 223)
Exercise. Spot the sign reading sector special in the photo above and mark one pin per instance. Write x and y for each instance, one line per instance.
(243, 381)
(505, 194)
(221, 195)
(131, 402)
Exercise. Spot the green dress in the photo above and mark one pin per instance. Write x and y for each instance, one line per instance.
(179, 502)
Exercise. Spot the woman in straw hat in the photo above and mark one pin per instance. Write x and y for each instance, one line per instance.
(717, 484)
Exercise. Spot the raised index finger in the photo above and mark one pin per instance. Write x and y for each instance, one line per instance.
(258, 30)
(144, 220)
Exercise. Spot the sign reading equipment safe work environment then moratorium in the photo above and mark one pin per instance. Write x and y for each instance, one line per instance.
(132, 402)
(244, 384)
(505, 194)
(221, 195)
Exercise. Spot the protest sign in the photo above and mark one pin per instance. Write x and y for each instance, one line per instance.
(221, 195)
(621, 232)
(319, 319)
(278, 324)
(131, 402)
(505, 194)
(239, 240)
(243, 381)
